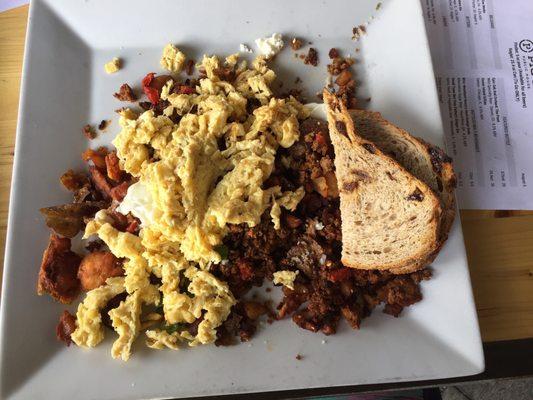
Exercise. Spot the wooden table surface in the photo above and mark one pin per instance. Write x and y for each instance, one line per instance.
(499, 243)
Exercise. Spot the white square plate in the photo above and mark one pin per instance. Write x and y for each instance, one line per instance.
(64, 87)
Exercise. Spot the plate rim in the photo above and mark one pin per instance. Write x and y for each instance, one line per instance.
(18, 159)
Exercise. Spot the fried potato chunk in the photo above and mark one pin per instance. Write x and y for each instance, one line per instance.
(59, 268)
(96, 267)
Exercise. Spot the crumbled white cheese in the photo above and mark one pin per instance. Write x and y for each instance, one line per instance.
(322, 260)
(244, 48)
(270, 46)
(319, 226)
(112, 66)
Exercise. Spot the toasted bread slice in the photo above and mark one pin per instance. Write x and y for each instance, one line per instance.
(428, 163)
(390, 219)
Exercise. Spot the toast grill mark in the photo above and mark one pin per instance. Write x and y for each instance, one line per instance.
(417, 195)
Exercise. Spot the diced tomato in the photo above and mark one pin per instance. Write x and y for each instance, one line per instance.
(320, 139)
(339, 275)
(152, 86)
(151, 93)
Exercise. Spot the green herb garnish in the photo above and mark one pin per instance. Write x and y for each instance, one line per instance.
(170, 329)
(223, 251)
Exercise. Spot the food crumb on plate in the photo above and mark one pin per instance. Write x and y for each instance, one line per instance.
(125, 93)
(104, 124)
(285, 278)
(244, 48)
(296, 44)
(324, 341)
(172, 59)
(89, 132)
(358, 31)
(312, 57)
(113, 66)
(299, 357)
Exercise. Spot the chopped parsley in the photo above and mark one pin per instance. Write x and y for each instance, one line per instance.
(171, 328)
(223, 251)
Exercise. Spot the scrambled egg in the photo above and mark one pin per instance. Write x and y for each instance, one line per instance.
(172, 59)
(112, 66)
(199, 175)
(89, 330)
(285, 278)
(288, 200)
(197, 188)
(159, 339)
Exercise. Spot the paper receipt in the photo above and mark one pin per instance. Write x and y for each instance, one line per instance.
(482, 53)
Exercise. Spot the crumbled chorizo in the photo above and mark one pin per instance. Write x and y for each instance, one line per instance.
(310, 240)
(312, 57)
(254, 309)
(333, 53)
(59, 269)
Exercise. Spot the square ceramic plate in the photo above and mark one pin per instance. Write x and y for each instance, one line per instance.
(64, 87)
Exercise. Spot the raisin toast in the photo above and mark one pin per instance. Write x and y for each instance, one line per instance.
(427, 162)
(391, 220)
